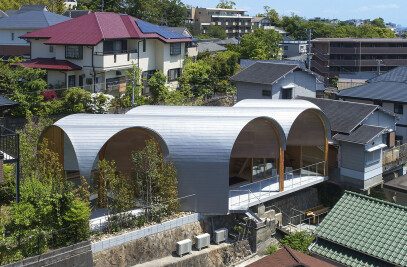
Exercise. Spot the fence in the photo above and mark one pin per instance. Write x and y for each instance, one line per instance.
(9, 145)
(394, 154)
(15, 248)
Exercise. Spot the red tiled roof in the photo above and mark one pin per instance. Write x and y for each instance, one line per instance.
(49, 64)
(287, 257)
(92, 28)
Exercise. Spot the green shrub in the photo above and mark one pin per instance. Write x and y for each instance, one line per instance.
(272, 249)
(52, 107)
(76, 100)
(299, 241)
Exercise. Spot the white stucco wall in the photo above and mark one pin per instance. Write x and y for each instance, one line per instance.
(5, 36)
(38, 49)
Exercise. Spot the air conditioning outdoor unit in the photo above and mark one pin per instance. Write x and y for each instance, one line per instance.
(220, 235)
(202, 241)
(184, 246)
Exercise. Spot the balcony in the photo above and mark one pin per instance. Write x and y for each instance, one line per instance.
(367, 62)
(319, 67)
(384, 50)
(344, 50)
(106, 60)
(245, 196)
(395, 157)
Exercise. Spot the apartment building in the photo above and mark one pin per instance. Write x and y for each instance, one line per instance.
(332, 56)
(234, 21)
(94, 51)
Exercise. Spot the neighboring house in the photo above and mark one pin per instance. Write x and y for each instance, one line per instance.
(363, 231)
(293, 48)
(95, 50)
(360, 133)
(12, 27)
(75, 13)
(288, 257)
(27, 8)
(70, 4)
(192, 47)
(396, 189)
(261, 22)
(234, 21)
(388, 90)
(333, 56)
(275, 81)
(245, 63)
(347, 80)
(233, 41)
(210, 47)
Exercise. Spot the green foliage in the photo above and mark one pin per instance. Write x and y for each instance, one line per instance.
(50, 107)
(272, 249)
(378, 22)
(226, 4)
(158, 89)
(261, 44)
(299, 241)
(139, 98)
(8, 187)
(334, 81)
(23, 85)
(155, 179)
(214, 32)
(76, 100)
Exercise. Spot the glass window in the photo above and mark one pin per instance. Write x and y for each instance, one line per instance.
(175, 49)
(144, 45)
(373, 157)
(51, 48)
(71, 81)
(73, 51)
(174, 74)
(115, 47)
(398, 108)
(12, 36)
(287, 93)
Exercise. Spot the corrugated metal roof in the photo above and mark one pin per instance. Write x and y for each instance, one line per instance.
(362, 135)
(32, 20)
(367, 225)
(199, 146)
(344, 116)
(382, 91)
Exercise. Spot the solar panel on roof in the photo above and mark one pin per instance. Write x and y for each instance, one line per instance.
(146, 27)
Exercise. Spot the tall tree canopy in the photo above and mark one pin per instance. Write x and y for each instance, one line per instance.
(226, 4)
(261, 44)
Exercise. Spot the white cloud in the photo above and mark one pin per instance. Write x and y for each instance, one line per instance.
(384, 6)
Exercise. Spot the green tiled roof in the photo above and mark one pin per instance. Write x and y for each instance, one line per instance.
(345, 255)
(368, 225)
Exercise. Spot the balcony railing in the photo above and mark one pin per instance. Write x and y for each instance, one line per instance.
(393, 155)
(245, 196)
(384, 50)
(9, 145)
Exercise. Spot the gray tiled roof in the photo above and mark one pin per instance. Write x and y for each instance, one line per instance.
(179, 30)
(383, 91)
(26, 8)
(32, 20)
(11, 12)
(5, 102)
(209, 47)
(263, 73)
(398, 74)
(358, 75)
(362, 135)
(245, 63)
(232, 40)
(344, 116)
(2, 14)
(75, 13)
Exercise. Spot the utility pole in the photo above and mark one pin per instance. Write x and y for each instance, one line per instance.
(309, 31)
(102, 5)
(379, 61)
(53, 6)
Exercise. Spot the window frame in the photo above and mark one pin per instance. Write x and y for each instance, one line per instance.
(287, 92)
(71, 79)
(80, 51)
(172, 78)
(266, 93)
(12, 36)
(398, 108)
(175, 51)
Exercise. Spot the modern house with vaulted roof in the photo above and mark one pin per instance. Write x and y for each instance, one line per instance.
(12, 27)
(94, 51)
(360, 135)
(230, 158)
(266, 80)
(363, 231)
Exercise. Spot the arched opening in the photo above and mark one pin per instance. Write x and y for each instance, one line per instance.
(255, 154)
(123, 144)
(59, 142)
(306, 144)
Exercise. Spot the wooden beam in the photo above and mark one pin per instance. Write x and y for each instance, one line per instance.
(281, 170)
(243, 166)
(326, 156)
(300, 156)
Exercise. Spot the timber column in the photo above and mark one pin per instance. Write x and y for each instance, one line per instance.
(281, 170)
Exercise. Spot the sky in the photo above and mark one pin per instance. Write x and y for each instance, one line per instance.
(389, 10)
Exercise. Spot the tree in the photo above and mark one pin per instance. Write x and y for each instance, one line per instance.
(226, 4)
(139, 99)
(59, 6)
(378, 22)
(261, 44)
(272, 15)
(155, 178)
(158, 89)
(214, 32)
(299, 241)
(23, 85)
